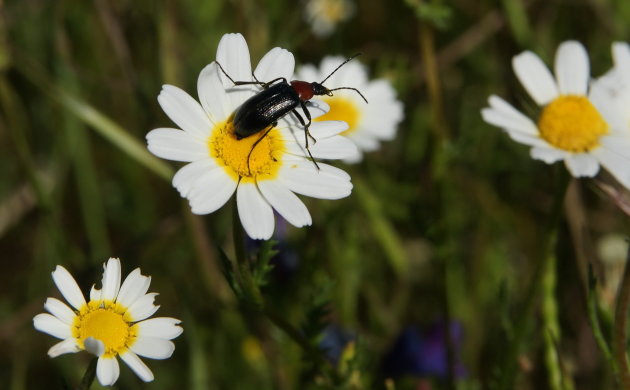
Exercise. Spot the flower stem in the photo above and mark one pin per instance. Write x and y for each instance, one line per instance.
(620, 326)
(537, 282)
(88, 377)
(551, 328)
(593, 315)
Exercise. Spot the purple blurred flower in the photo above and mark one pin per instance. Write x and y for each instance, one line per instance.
(424, 353)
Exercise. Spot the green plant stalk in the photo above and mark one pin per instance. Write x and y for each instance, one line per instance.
(550, 321)
(384, 231)
(620, 328)
(509, 367)
(257, 301)
(90, 374)
(593, 309)
(103, 125)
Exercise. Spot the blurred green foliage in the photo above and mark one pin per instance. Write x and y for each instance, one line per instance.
(441, 226)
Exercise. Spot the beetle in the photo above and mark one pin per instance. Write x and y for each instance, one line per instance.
(277, 99)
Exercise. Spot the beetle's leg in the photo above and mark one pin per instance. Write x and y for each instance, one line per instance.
(306, 132)
(308, 125)
(256, 143)
(264, 85)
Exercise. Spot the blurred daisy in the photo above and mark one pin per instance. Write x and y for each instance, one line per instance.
(614, 87)
(368, 124)
(576, 125)
(266, 169)
(324, 15)
(113, 323)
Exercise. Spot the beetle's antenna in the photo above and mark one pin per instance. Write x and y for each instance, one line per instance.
(354, 89)
(337, 68)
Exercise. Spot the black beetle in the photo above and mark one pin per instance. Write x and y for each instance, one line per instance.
(278, 98)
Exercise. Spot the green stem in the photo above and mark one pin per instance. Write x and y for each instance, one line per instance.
(551, 328)
(89, 375)
(620, 327)
(255, 298)
(593, 315)
(533, 291)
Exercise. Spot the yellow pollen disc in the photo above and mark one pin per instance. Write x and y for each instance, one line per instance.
(342, 109)
(106, 323)
(572, 123)
(240, 158)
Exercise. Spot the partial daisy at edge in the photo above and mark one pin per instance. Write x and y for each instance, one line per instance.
(113, 323)
(264, 178)
(369, 123)
(578, 123)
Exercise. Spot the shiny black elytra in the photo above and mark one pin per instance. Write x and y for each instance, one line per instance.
(278, 98)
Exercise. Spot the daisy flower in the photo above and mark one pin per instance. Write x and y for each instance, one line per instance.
(368, 124)
(267, 169)
(324, 15)
(113, 323)
(614, 86)
(576, 123)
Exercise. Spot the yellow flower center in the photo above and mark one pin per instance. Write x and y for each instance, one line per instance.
(107, 322)
(572, 123)
(342, 109)
(257, 157)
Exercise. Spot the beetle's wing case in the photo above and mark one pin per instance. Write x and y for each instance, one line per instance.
(266, 107)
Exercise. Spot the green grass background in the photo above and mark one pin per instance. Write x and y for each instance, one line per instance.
(446, 222)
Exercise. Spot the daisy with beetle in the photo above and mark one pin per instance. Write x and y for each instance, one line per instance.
(578, 124)
(113, 323)
(266, 169)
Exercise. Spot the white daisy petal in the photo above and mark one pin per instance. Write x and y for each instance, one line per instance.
(175, 145)
(527, 139)
(153, 347)
(134, 287)
(137, 365)
(143, 307)
(52, 325)
(277, 63)
(255, 213)
(503, 114)
(316, 108)
(95, 293)
(68, 345)
(211, 191)
(111, 280)
(614, 155)
(94, 346)
(184, 111)
(161, 327)
(60, 310)
(582, 165)
(212, 95)
(535, 77)
(547, 155)
(572, 68)
(326, 183)
(233, 55)
(107, 371)
(337, 147)
(326, 129)
(185, 178)
(289, 206)
(621, 56)
(68, 287)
